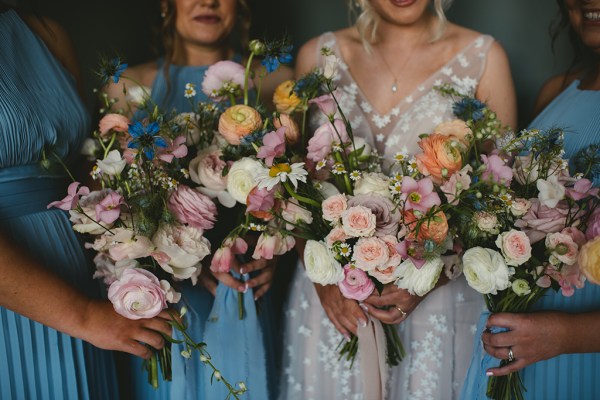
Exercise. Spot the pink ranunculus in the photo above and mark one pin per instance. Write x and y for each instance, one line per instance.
(137, 294)
(540, 220)
(593, 225)
(292, 131)
(496, 169)
(72, 199)
(109, 209)
(458, 182)
(114, 122)
(359, 221)
(319, 146)
(336, 235)
(273, 146)
(326, 104)
(419, 195)
(387, 216)
(371, 253)
(582, 189)
(356, 284)
(562, 247)
(575, 234)
(177, 149)
(192, 207)
(222, 73)
(515, 247)
(261, 202)
(333, 207)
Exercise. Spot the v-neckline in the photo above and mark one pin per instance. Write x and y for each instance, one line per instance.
(410, 95)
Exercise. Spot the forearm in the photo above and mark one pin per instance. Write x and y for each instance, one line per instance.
(580, 332)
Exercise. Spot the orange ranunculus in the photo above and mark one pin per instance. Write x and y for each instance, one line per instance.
(440, 157)
(434, 228)
(284, 98)
(457, 128)
(292, 132)
(589, 260)
(238, 121)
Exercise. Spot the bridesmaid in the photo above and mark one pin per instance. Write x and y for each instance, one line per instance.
(557, 347)
(50, 309)
(196, 34)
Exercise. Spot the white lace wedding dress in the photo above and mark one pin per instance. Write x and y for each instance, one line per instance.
(438, 335)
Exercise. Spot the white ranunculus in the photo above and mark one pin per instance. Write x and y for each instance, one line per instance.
(90, 148)
(186, 247)
(330, 66)
(373, 183)
(113, 164)
(321, 266)
(241, 178)
(485, 270)
(521, 287)
(419, 281)
(359, 143)
(551, 191)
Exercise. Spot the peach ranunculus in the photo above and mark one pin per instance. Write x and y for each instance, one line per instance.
(238, 121)
(114, 122)
(434, 228)
(515, 247)
(441, 157)
(457, 128)
(589, 260)
(371, 253)
(284, 98)
(292, 131)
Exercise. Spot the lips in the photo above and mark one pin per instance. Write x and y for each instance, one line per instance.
(208, 19)
(403, 3)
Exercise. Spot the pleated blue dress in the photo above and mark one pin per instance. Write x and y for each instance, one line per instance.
(241, 349)
(41, 110)
(568, 376)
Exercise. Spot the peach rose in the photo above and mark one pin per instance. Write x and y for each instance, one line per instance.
(371, 253)
(456, 128)
(333, 207)
(434, 228)
(440, 158)
(238, 121)
(589, 260)
(284, 98)
(336, 235)
(292, 132)
(515, 247)
(359, 221)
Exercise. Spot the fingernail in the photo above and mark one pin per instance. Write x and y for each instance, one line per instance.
(347, 338)
(489, 373)
(255, 298)
(242, 289)
(242, 271)
(364, 307)
(246, 288)
(362, 323)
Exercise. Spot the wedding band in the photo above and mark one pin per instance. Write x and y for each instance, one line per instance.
(511, 356)
(401, 311)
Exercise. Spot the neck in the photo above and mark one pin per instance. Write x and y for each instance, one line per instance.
(393, 36)
(591, 81)
(196, 55)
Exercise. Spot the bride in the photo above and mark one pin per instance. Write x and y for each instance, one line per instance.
(390, 61)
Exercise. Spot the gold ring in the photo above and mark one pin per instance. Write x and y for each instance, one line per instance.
(401, 311)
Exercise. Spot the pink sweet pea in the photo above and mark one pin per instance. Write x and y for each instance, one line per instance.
(72, 199)
(356, 284)
(221, 261)
(419, 195)
(260, 202)
(582, 189)
(458, 182)
(326, 104)
(496, 169)
(267, 246)
(273, 146)
(109, 209)
(177, 149)
(319, 146)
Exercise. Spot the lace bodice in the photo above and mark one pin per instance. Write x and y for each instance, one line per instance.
(415, 114)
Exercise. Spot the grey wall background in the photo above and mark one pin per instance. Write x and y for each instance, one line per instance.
(125, 27)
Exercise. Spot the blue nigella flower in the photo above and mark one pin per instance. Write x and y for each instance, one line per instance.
(253, 137)
(112, 69)
(307, 82)
(587, 162)
(469, 108)
(277, 56)
(145, 138)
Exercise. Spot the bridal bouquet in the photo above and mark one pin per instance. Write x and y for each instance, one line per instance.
(516, 216)
(147, 219)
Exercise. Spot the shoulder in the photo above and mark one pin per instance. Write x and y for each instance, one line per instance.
(308, 54)
(459, 38)
(143, 74)
(552, 88)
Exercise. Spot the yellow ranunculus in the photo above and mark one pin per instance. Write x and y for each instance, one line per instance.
(284, 98)
(589, 260)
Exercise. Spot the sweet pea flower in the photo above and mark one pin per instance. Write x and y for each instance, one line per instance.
(582, 189)
(222, 259)
(326, 104)
(177, 149)
(496, 169)
(260, 202)
(268, 246)
(458, 182)
(356, 284)
(273, 146)
(319, 146)
(109, 209)
(70, 202)
(419, 195)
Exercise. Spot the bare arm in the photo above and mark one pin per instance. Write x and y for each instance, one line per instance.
(306, 59)
(28, 288)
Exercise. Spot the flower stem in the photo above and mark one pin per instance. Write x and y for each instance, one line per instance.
(247, 77)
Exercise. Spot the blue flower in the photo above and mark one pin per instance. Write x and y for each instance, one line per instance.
(587, 162)
(145, 138)
(308, 83)
(275, 56)
(469, 108)
(253, 137)
(112, 69)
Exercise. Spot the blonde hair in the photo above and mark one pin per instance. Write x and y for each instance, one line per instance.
(367, 19)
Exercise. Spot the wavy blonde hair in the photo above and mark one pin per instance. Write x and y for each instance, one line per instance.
(367, 19)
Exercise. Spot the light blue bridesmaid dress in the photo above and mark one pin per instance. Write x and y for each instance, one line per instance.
(241, 349)
(40, 109)
(568, 376)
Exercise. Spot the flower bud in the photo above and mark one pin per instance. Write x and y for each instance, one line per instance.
(257, 47)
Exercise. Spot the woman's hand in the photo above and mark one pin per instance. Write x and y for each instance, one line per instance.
(400, 302)
(106, 329)
(345, 314)
(261, 282)
(532, 337)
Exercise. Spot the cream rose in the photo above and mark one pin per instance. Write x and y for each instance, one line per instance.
(457, 128)
(485, 270)
(206, 169)
(321, 266)
(419, 281)
(373, 182)
(241, 178)
(333, 207)
(359, 221)
(486, 222)
(519, 207)
(515, 247)
(371, 253)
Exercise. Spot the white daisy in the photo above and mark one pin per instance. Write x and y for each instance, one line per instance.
(190, 90)
(268, 178)
(355, 175)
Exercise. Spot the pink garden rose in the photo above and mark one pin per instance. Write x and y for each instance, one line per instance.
(137, 294)
(356, 284)
(114, 122)
(359, 221)
(72, 199)
(575, 234)
(540, 220)
(515, 247)
(206, 169)
(371, 253)
(319, 146)
(273, 146)
(336, 235)
(192, 207)
(333, 207)
(223, 73)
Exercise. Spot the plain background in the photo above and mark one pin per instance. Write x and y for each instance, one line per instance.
(126, 28)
